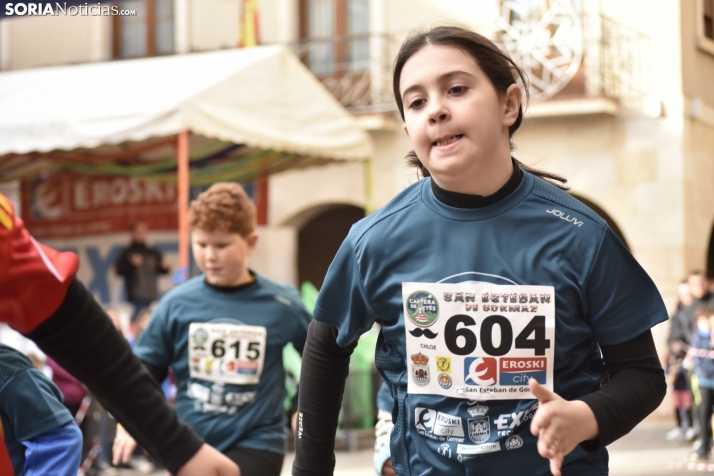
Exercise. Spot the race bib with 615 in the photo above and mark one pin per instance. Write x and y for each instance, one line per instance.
(478, 341)
(228, 353)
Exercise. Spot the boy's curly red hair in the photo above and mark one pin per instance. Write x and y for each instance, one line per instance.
(223, 207)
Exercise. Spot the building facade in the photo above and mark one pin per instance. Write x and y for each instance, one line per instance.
(622, 105)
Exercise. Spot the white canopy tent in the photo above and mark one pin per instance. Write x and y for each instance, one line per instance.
(262, 97)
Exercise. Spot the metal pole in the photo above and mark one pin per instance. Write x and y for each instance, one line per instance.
(183, 192)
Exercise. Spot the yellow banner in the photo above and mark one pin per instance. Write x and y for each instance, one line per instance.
(249, 24)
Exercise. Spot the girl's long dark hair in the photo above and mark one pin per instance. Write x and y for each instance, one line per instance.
(500, 69)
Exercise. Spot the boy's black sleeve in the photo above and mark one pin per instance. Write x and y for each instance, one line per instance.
(82, 339)
(636, 388)
(325, 366)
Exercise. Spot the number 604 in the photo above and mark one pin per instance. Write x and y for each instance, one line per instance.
(452, 331)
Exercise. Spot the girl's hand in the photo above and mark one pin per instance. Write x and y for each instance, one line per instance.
(560, 425)
(209, 462)
(123, 447)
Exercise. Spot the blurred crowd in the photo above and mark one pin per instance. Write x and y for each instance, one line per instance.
(689, 364)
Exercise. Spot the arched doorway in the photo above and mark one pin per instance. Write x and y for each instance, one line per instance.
(604, 216)
(319, 239)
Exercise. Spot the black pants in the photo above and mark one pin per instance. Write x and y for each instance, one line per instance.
(256, 462)
(705, 416)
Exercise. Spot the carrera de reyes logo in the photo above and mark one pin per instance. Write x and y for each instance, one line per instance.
(422, 308)
(199, 337)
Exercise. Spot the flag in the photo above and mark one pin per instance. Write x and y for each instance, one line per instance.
(248, 24)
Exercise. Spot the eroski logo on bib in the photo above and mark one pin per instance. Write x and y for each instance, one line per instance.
(480, 371)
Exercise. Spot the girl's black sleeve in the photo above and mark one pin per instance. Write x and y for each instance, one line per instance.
(82, 339)
(159, 373)
(325, 366)
(635, 389)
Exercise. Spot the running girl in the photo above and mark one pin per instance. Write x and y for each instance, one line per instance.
(505, 303)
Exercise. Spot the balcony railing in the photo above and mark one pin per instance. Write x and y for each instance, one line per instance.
(357, 69)
(624, 66)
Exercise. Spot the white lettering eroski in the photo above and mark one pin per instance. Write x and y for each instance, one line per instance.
(431, 423)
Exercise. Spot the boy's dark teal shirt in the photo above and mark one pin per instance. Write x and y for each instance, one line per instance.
(228, 415)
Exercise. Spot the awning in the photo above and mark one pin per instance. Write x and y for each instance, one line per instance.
(235, 115)
(262, 98)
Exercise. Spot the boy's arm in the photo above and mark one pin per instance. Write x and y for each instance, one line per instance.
(57, 451)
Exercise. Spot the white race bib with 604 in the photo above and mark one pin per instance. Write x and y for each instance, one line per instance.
(228, 353)
(478, 341)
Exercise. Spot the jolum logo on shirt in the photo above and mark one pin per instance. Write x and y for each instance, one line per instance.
(565, 217)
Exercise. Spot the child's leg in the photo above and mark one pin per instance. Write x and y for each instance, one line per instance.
(688, 414)
(705, 416)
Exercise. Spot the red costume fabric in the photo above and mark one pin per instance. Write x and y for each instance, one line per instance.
(33, 283)
(33, 278)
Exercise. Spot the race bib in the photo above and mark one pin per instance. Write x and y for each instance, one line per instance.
(478, 341)
(227, 353)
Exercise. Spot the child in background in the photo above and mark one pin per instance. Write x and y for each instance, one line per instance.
(701, 354)
(677, 376)
(40, 433)
(678, 380)
(223, 333)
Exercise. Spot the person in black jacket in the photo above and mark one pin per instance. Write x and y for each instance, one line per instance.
(140, 265)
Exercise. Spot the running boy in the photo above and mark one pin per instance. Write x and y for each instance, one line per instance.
(504, 302)
(223, 334)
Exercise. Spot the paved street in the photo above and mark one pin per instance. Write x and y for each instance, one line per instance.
(644, 452)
